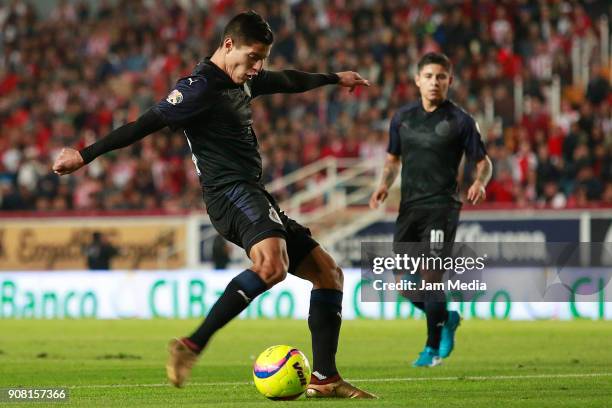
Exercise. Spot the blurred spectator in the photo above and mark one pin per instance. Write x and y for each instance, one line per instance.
(598, 88)
(69, 76)
(551, 196)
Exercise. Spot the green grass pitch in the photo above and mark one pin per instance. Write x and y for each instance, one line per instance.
(496, 363)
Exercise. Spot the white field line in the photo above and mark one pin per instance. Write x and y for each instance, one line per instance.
(363, 380)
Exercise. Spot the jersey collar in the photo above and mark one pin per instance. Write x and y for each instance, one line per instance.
(444, 103)
(222, 75)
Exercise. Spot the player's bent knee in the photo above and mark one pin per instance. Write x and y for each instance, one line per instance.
(270, 260)
(277, 274)
(271, 272)
(330, 278)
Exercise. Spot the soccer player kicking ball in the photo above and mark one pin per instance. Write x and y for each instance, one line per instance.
(428, 138)
(213, 106)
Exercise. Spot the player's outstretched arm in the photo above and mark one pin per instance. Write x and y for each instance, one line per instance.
(477, 191)
(293, 81)
(70, 160)
(390, 172)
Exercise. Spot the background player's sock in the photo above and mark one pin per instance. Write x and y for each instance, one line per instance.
(324, 321)
(236, 297)
(436, 316)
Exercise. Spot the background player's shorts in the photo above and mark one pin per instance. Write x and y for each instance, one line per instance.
(246, 214)
(434, 227)
(434, 223)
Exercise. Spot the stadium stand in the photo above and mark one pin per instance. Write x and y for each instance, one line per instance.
(69, 76)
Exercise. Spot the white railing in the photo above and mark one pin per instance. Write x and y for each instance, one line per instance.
(346, 182)
(328, 164)
(330, 237)
(347, 187)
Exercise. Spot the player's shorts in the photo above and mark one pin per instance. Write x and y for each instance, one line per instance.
(245, 214)
(434, 223)
(433, 227)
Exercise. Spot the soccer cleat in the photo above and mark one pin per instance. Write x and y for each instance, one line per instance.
(447, 340)
(337, 389)
(180, 362)
(428, 358)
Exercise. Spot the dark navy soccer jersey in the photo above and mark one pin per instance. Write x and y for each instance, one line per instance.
(215, 114)
(431, 145)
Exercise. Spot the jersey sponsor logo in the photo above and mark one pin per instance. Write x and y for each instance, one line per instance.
(274, 215)
(191, 80)
(175, 97)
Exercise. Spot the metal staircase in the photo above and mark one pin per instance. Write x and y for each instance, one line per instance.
(340, 190)
(331, 199)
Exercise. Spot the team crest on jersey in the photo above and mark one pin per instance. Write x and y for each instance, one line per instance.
(274, 216)
(175, 97)
(443, 128)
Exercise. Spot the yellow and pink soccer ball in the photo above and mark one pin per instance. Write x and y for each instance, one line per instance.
(281, 373)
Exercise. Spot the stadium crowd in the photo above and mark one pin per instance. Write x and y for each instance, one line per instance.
(70, 76)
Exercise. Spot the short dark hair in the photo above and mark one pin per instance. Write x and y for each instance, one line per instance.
(435, 58)
(247, 28)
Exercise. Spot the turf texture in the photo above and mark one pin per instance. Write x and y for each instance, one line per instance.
(495, 364)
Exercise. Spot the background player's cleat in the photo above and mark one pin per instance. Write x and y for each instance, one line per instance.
(447, 340)
(180, 362)
(428, 358)
(337, 389)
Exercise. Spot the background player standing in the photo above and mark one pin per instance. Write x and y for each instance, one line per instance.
(213, 107)
(99, 252)
(428, 139)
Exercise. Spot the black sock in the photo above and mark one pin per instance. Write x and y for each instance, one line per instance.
(436, 316)
(236, 297)
(324, 320)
